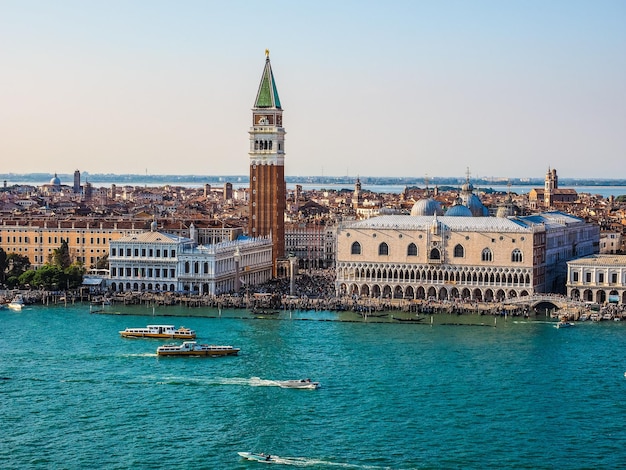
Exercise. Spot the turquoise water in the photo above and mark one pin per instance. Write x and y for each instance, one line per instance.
(522, 394)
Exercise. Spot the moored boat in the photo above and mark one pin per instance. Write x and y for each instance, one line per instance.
(17, 303)
(192, 348)
(302, 384)
(159, 331)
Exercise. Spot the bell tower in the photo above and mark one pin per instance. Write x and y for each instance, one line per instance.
(267, 166)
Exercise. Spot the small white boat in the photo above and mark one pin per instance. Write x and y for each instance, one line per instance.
(564, 324)
(159, 331)
(261, 457)
(17, 303)
(192, 348)
(302, 384)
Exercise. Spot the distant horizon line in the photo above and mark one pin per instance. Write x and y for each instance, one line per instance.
(320, 179)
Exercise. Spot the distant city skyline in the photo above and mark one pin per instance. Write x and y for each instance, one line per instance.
(405, 88)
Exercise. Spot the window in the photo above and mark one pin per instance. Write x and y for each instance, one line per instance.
(411, 250)
(459, 251)
(383, 249)
(588, 277)
(355, 249)
(113, 251)
(575, 277)
(516, 256)
(435, 253)
(601, 277)
(487, 255)
(614, 278)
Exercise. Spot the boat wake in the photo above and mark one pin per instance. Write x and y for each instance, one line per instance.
(140, 355)
(251, 382)
(305, 462)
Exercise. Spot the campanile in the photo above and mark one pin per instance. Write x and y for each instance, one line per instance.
(267, 166)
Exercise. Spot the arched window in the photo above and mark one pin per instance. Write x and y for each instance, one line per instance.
(487, 255)
(435, 254)
(516, 256)
(187, 269)
(383, 249)
(411, 250)
(356, 249)
(459, 251)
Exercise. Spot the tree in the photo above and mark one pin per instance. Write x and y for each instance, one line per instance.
(3, 264)
(27, 277)
(17, 264)
(49, 277)
(60, 256)
(74, 275)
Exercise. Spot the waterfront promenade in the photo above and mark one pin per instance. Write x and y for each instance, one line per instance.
(315, 292)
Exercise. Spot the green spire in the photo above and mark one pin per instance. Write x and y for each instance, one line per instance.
(267, 96)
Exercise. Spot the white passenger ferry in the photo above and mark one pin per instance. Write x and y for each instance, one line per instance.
(191, 348)
(159, 331)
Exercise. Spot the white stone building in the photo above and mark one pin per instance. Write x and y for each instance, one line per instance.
(597, 278)
(482, 258)
(157, 261)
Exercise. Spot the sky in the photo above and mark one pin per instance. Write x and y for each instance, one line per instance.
(415, 88)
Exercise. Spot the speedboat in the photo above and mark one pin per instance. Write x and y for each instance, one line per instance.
(192, 348)
(17, 303)
(302, 383)
(159, 331)
(564, 324)
(264, 458)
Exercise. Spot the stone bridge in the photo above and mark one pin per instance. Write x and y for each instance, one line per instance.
(558, 301)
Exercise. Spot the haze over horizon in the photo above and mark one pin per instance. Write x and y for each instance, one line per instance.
(415, 88)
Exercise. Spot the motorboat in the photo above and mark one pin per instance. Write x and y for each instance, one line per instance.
(17, 303)
(260, 457)
(192, 348)
(302, 384)
(564, 324)
(159, 331)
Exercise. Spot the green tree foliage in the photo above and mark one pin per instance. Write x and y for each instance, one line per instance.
(27, 277)
(74, 275)
(3, 264)
(49, 277)
(17, 264)
(61, 256)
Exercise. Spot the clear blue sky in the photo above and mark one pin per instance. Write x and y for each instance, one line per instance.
(506, 88)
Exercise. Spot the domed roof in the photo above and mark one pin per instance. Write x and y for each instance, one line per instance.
(475, 205)
(459, 210)
(426, 207)
(55, 181)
